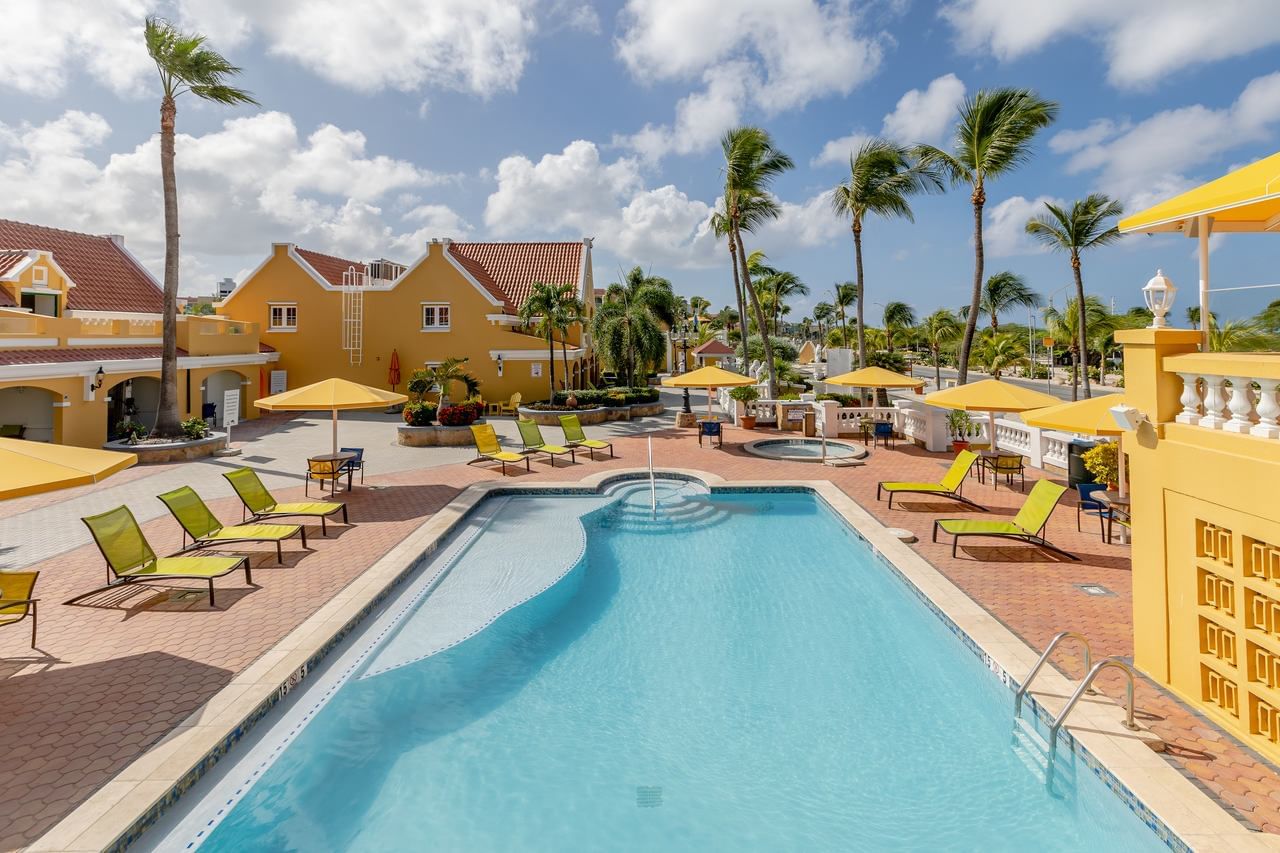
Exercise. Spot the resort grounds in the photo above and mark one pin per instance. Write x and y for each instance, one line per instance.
(117, 670)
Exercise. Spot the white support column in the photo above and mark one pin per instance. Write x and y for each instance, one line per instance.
(1035, 447)
(1190, 400)
(1215, 402)
(1203, 225)
(1240, 405)
(828, 420)
(1268, 410)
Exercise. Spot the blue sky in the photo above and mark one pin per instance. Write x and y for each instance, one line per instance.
(385, 123)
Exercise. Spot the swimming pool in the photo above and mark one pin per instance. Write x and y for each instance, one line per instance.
(804, 449)
(572, 672)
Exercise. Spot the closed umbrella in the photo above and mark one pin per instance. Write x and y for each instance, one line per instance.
(331, 395)
(393, 372)
(31, 467)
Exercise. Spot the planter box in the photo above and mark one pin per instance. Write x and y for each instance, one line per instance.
(598, 415)
(173, 451)
(434, 436)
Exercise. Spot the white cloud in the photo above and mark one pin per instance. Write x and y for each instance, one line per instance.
(1143, 40)
(51, 37)
(810, 223)
(919, 116)
(772, 55)
(1004, 232)
(251, 182)
(1145, 162)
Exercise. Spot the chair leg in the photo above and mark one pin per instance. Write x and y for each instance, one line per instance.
(279, 552)
(212, 602)
(303, 531)
(248, 576)
(34, 620)
(344, 514)
(324, 531)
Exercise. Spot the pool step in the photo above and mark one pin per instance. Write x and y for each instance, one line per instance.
(1056, 772)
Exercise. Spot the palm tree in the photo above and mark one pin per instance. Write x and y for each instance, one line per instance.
(628, 327)
(1193, 317)
(442, 376)
(845, 295)
(1240, 336)
(1064, 326)
(823, 313)
(185, 65)
(539, 313)
(993, 137)
(940, 329)
(999, 351)
(698, 307)
(898, 317)
(751, 164)
(569, 312)
(1089, 224)
(881, 177)
(722, 227)
(806, 328)
(1002, 292)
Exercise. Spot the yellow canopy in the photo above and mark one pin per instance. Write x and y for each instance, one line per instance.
(990, 395)
(1087, 417)
(30, 467)
(331, 395)
(875, 377)
(708, 377)
(1247, 199)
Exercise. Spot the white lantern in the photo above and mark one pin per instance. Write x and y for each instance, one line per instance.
(1159, 294)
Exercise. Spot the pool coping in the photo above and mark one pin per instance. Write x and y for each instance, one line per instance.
(117, 814)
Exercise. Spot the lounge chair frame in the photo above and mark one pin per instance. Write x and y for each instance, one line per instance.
(542, 446)
(248, 513)
(940, 491)
(492, 456)
(591, 444)
(211, 542)
(1019, 533)
(31, 606)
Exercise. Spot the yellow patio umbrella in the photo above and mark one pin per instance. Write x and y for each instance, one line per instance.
(709, 377)
(991, 396)
(331, 395)
(1086, 417)
(875, 377)
(31, 467)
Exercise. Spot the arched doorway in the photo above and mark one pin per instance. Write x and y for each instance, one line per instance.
(136, 399)
(29, 412)
(216, 385)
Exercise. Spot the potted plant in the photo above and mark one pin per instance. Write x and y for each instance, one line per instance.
(960, 426)
(746, 394)
(1103, 462)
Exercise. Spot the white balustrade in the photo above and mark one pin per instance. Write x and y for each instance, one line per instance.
(1215, 402)
(1231, 404)
(1268, 409)
(1241, 406)
(1056, 446)
(1190, 399)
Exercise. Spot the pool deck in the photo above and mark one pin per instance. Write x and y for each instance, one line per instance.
(117, 672)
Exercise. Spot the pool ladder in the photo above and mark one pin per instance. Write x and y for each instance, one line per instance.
(1085, 686)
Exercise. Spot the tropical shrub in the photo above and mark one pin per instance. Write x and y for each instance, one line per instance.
(419, 413)
(894, 361)
(959, 424)
(130, 430)
(845, 400)
(783, 349)
(745, 394)
(462, 414)
(194, 429)
(1103, 462)
(590, 399)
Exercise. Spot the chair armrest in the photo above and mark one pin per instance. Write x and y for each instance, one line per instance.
(5, 602)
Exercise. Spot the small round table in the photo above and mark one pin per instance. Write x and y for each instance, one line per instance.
(1117, 505)
(342, 458)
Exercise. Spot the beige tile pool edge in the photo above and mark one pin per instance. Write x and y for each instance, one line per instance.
(117, 813)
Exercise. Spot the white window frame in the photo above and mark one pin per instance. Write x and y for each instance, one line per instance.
(284, 316)
(436, 325)
(40, 276)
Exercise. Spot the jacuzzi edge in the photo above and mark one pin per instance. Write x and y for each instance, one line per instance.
(119, 812)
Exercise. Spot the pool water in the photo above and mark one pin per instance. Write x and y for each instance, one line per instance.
(737, 673)
(802, 448)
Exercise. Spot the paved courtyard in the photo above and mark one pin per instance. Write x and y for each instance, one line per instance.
(118, 669)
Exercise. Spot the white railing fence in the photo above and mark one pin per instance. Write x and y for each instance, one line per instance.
(1231, 404)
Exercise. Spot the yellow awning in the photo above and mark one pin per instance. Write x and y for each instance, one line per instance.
(330, 395)
(875, 377)
(1087, 417)
(30, 467)
(1247, 199)
(990, 395)
(708, 377)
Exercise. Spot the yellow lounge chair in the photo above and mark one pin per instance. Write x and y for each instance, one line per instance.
(575, 437)
(488, 448)
(948, 487)
(1028, 525)
(16, 602)
(512, 406)
(130, 558)
(203, 528)
(258, 500)
(531, 435)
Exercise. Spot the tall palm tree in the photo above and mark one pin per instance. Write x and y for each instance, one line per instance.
(882, 175)
(1002, 292)
(540, 312)
(999, 352)
(628, 327)
(721, 226)
(993, 137)
(185, 65)
(823, 314)
(570, 312)
(898, 318)
(1065, 326)
(806, 328)
(1193, 317)
(751, 164)
(1088, 224)
(844, 296)
(698, 307)
(940, 329)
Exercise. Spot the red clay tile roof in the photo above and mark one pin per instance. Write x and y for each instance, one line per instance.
(10, 258)
(61, 356)
(266, 348)
(715, 346)
(106, 277)
(480, 274)
(512, 268)
(330, 267)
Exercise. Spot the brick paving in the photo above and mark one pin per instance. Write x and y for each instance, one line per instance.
(117, 670)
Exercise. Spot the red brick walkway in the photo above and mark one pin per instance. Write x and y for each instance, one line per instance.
(116, 671)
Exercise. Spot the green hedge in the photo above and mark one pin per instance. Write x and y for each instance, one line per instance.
(590, 399)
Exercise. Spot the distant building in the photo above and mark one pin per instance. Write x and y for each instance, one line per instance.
(225, 286)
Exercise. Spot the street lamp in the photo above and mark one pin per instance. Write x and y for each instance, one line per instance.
(684, 360)
(1159, 294)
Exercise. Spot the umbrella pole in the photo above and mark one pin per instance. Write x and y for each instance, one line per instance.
(335, 430)
(710, 391)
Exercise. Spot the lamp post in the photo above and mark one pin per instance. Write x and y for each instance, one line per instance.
(1159, 294)
(684, 360)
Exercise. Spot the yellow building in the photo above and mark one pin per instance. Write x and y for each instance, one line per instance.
(80, 338)
(329, 316)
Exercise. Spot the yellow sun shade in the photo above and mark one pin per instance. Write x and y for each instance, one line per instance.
(1087, 417)
(990, 395)
(1247, 199)
(330, 395)
(875, 377)
(31, 467)
(708, 377)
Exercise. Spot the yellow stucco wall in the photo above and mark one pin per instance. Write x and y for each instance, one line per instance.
(392, 321)
(1206, 545)
(54, 280)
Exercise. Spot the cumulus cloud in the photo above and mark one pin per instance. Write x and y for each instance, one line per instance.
(771, 55)
(921, 115)
(1004, 233)
(1143, 40)
(253, 181)
(103, 38)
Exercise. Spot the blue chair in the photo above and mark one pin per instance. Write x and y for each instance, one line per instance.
(884, 432)
(1092, 506)
(712, 430)
(356, 464)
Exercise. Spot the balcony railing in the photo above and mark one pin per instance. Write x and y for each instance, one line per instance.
(1231, 392)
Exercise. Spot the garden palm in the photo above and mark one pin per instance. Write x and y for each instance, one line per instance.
(1003, 292)
(993, 137)
(999, 352)
(541, 311)
(1065, 326)
(940, 329)
(442, 377)
(898, 318)
(845, 296)
(185, 65)
(628, 327)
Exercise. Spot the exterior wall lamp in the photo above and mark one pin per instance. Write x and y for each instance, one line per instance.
(1159, 294)
(499, 364)
(98, 379)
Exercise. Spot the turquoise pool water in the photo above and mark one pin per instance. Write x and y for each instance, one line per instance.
(739, 674)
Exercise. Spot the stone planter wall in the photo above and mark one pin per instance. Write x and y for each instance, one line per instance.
(176, 451)
(551, 417)
(434, 436)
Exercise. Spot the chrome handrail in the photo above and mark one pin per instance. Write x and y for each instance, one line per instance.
(1048, 650)
(1088, 679)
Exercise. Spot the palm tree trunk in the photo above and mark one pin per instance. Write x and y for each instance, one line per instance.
(564, 353)
(737, 294)
(551, 366)
(167, 417)
(979, 198)
(1075, 374)
(937, 368)
(759, 315)
(857, 260)
(1081, 319)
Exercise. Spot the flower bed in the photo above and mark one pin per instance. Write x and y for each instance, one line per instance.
(153, 450)
(546, 414)
(434, 436)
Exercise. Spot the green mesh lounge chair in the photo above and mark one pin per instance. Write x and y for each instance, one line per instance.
(575, 437)
(16, 602)
(1027, 525)
(488, 449)
(949, 487)
(532, 438)
(204, 530)
(258, 500)
(130, 558)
